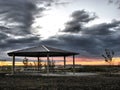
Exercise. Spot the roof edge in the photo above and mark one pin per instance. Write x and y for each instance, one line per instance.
(45, 48)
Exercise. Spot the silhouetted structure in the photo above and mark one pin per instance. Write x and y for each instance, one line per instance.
(43, 51)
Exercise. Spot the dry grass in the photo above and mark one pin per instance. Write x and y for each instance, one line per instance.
(59, 83)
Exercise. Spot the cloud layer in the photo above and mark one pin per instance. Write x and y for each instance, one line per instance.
(79, 18)
(16, 19)
(88, 41)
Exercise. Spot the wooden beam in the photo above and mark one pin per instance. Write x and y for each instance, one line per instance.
(38, 63)
(47, 64)
(13, 64)
(64, 63)
(73, 64)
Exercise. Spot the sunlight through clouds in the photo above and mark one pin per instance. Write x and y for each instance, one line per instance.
(50, 23)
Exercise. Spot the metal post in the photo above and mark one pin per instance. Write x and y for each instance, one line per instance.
(73, 64)
(64, 63)
(13, 64)
(47, 64)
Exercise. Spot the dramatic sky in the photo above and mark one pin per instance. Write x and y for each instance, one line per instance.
(83, 26)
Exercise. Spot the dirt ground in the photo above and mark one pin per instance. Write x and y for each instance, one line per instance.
(59, 83)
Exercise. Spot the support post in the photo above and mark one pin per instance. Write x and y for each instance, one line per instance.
(13, 64)
(73, 64)
(64, 63)
(47, 64)
(38, 63)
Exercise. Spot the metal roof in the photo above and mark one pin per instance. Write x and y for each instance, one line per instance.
(41, 51)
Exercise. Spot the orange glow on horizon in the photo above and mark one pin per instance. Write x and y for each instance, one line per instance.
(59, 61)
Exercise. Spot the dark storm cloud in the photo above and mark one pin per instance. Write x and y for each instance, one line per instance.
(82, 16)
(18, 15)
(16, 19)
(87, 46)
(2, 35)
(90, 41)
(22, 40)
(102, 29)
(79, 18)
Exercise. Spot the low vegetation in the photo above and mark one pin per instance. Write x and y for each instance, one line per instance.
(59, 83)
(29, 82)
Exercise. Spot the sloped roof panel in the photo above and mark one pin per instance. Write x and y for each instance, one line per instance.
(41, 51)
